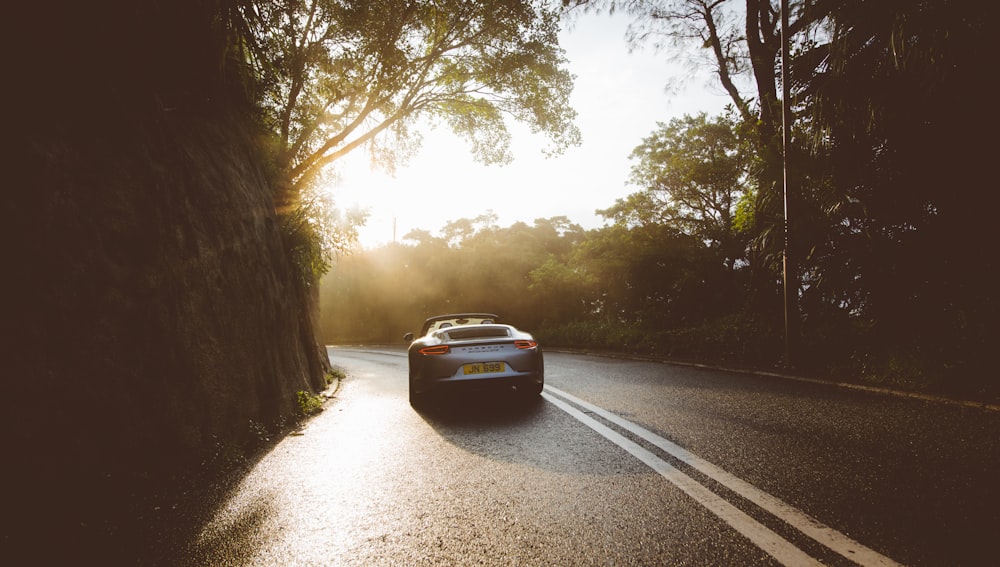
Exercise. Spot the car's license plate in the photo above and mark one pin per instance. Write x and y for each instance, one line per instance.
(484, 368)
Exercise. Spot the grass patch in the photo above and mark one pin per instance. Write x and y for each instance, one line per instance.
(334, 374)
(309, 404)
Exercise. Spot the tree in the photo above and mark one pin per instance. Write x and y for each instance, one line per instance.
(741, 43)
(562, 293)
(693, 172)
(341, 75)
(904, 222)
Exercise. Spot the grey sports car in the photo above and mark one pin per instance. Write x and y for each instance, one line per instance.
(472, 350)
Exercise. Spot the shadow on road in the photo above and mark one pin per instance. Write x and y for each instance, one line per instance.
(152, 517)
(480, 409)
(509, 429)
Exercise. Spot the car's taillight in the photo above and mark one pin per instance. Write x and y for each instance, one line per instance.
(440, 349)
(525, 344)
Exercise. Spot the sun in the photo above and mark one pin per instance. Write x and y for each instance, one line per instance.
(440, 184)
(355, 186)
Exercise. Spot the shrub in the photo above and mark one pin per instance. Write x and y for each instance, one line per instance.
(309, 404)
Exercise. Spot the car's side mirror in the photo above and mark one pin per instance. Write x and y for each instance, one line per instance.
(408, 337)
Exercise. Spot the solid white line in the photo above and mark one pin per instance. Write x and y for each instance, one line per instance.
(781, 549)
(801, 521)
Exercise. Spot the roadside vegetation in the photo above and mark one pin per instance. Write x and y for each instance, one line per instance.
(309, 404)
(891, 270)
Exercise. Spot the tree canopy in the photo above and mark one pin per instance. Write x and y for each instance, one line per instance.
(694, 173)
(336, 76)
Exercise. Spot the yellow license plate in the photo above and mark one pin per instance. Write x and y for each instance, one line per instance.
(484, 368)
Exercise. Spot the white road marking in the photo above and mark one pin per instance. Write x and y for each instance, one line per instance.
(760, 535)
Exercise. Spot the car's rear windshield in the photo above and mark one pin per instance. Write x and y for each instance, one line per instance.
(446, 323)
(475, 332)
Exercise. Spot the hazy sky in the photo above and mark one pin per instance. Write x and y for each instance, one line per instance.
(619, 97)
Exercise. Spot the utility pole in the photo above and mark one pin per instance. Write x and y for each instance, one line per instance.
(789, 276)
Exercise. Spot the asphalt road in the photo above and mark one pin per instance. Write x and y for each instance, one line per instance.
(619, 463)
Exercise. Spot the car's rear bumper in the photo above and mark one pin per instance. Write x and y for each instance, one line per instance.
(521, 380)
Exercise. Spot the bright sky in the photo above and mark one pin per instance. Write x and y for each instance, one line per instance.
(619, 97)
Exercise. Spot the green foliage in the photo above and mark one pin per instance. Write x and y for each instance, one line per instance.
(900, 369)
(885, 167)
(329, 78)
(315, 231)
(309, 404)
(743, 217)
(739, 338)
(334, 375)
(597, 335)
(899, 218)
(694, 171)
(695, 179)
(339, 76)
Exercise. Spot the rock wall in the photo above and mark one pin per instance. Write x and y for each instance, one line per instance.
(151, 319)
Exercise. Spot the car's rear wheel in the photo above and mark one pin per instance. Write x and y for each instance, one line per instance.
(416, 400)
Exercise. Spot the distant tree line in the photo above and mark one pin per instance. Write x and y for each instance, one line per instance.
(891, 239)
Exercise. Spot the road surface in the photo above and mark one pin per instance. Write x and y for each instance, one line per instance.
(618, 463)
